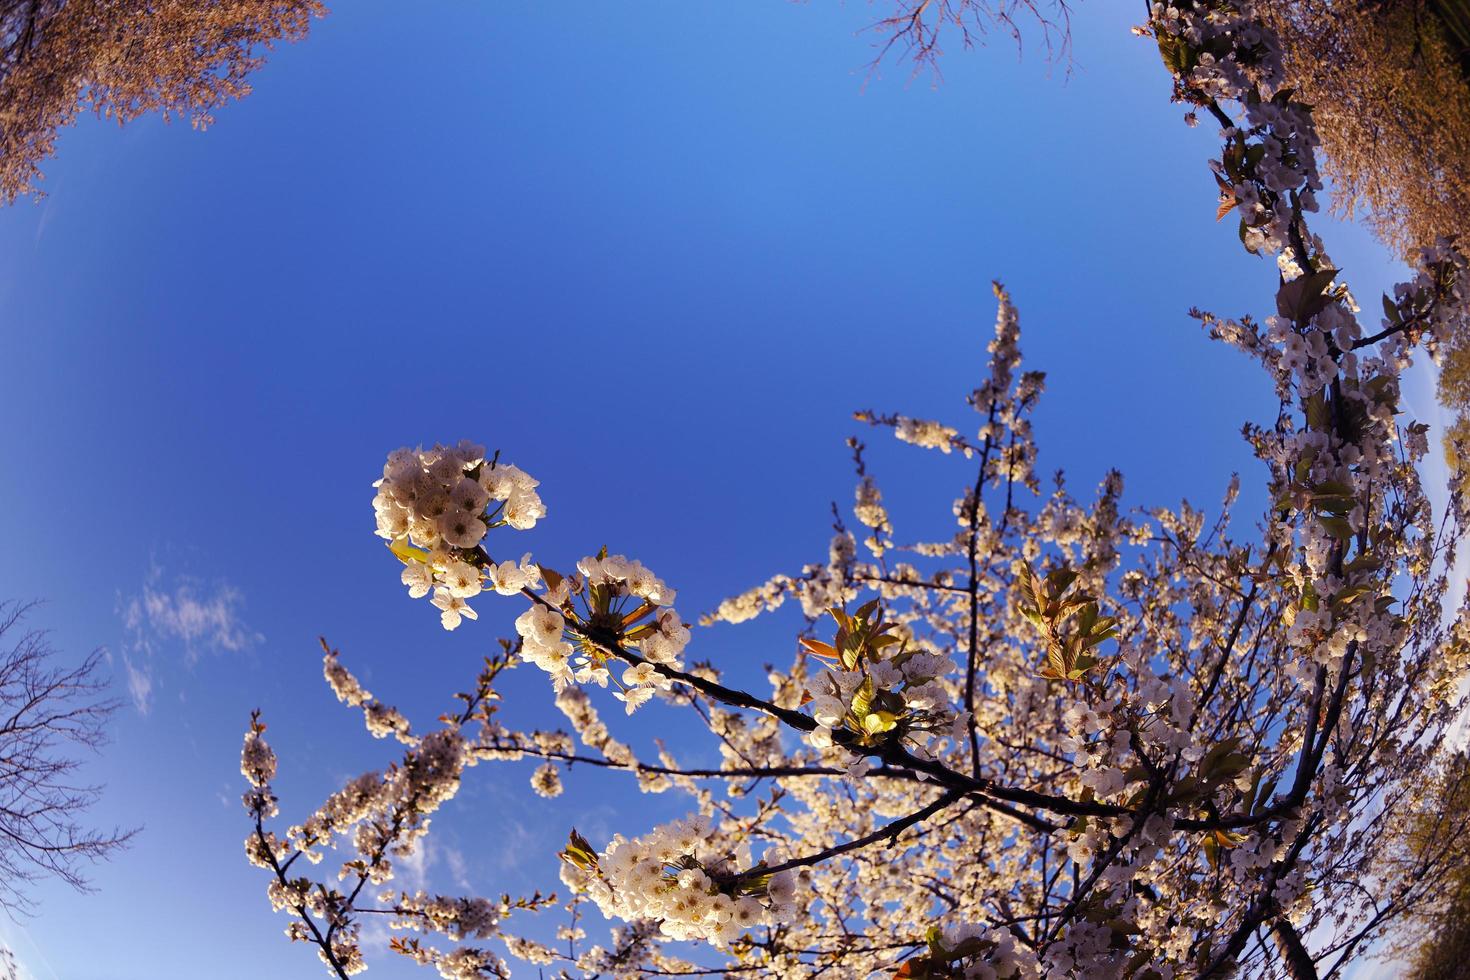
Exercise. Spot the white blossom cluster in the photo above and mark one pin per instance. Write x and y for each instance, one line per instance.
(435, 506)
(546, 781)
(978, 953)
(382, 720)
(817, 589)
(881, 690)
(576, 705)
(659, 877)
(751, 603)
(870, 512)
(926, 433)
(622, 602)
(383, 814)
(457, 918)
(463, 963)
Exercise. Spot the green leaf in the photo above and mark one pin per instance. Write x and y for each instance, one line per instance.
(1338, 527)
(1318, 417)
(1231, 766)
(879, 722)
(1390, 312)
(1264, 796)
(1123, 927)
(1175, 51)
(819, 648)
(1185, 790)
(1347, 595)
(1212, 851)
(552, 577)
(1363, 563)
(1104, 629)
(579, 852)
(1303, 297)
(1058, 580)
(1217, 752)
(406, 552)
(1086, 618)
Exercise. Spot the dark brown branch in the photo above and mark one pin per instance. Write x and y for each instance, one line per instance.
(888, 832)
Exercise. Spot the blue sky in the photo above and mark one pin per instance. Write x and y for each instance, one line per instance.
(657, 254)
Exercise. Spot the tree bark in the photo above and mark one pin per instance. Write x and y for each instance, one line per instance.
(1298, 961)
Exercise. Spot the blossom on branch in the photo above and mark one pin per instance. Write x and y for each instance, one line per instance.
(1065, 738)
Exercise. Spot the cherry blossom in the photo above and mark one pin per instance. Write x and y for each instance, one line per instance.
(1064, 737)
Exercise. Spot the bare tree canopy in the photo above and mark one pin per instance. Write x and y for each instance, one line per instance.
(182, 58)
(47, 712)
(918, 30)
(1392, 107)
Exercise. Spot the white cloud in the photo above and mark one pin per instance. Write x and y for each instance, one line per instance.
(412, 870)
(410, 874)
(180, 612)
(458, 868)
(140, 683)
(209, 620)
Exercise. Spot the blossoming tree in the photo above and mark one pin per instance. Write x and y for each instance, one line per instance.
(1064, 741)
(180, 58)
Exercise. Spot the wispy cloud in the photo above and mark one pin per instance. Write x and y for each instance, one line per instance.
(459, 869)
(12, 965)
(178, 612)
(140, 682)
(412, 870)
(188, 613)
(410, 874)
